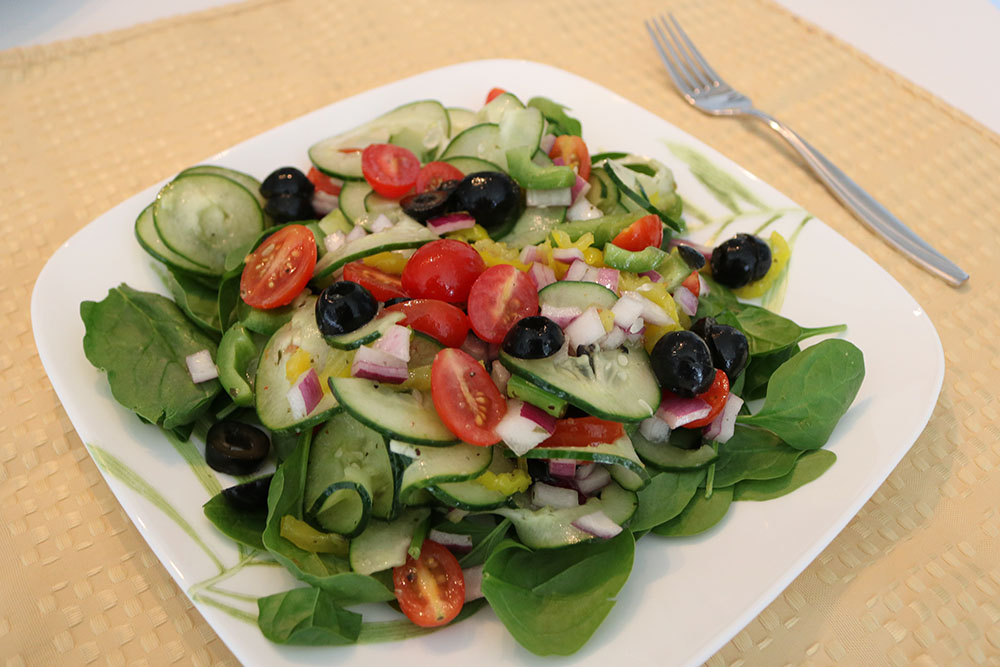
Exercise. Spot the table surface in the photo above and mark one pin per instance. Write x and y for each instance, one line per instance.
(945, 47)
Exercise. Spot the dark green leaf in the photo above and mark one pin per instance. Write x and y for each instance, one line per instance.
(752, 454)
(242, 526)
(768, 332)
(809, 393)
(484, 545)
(553, 600)
(141, 340)
(808, 467)
(758, 372)
(197, 300)
(718, 300)
(307, 617)
(666, 496)
(700, 514)
(559, 121)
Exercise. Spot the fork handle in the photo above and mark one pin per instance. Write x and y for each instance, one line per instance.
(875, 216)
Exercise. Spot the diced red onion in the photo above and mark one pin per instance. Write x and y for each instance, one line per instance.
(557, 497)
(374, 364)
(473, 577)
(450, 223)
(454, 541)
(500, 375)
(586, 329)
(599, 478)
(520, 433)
(561, 315)
(597, 524)
(334, 241)
(201, 367)
(305, 394)
(582, 209)
(652, 313)
(395, 341)
(547, 142)
(614, 338)
(653, 275)
(585, 470)
(324, 202)
(543, 419)
(405, 449)
(529, 254)
(549, 197)
(567, 255)
(687, 300)
(677, 411)
(579, 188)
(724, 425)
(381, 224)
(565, 468)
(358, 232)
(608, 278)
(541, 274)
(703, 287)
(558, 162)
(577, 270)
(628, 309)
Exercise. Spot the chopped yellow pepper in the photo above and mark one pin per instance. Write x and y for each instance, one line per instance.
(470, 235)
(496, 252)
(297, 364)
(507, 483)
(607, 319)
(389, 261)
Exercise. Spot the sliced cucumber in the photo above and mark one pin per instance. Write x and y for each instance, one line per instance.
(495, 109)
(619, 453)
(471, 495)
(431, 466)
(611, 384)
(534, 225)
(576, 294)
(272, 383)
(665, 456)
(470, 165)
(149, 239)
(460, 119)
(603, 192)
(376, 203)
(479, 141)
(383, 544)
(425, 118)
(352, 199)
(246, 180)
(366, 333)
(408, 416)
(521, 129)
(549, 528)
(202, 217)
(404, 234)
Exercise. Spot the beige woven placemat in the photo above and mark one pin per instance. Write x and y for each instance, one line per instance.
(913, 579)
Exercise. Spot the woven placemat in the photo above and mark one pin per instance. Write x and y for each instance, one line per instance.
(913, 579)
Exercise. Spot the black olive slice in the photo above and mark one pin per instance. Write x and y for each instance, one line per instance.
(250, 496)
(235, 448)
(426, 205)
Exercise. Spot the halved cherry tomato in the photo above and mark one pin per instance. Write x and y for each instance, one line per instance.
(444, 269)
(494, 93)
(431, 589)
(583, 432)
(465, 398)
(322, 182)
(500, 297)
(382, 285)
(439, 320)
(433, 174)
(279, 268)
(644, 232)
(390, 170)
(573, 152)
(715, 396)
(692, 283)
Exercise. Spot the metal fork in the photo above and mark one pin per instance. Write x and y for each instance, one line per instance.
(703, 88)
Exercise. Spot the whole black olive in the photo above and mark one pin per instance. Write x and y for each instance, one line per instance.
(729, 348)
(343, 307)
(491, 197)
(289, 208)
(286, 181)
(740, 260)
(693, 258)
(249, 496)
(682, 363)
(702, 325)
(534, 337)
(426, 205)
(235, 448)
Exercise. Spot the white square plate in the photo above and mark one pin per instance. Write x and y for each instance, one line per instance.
(686, 597)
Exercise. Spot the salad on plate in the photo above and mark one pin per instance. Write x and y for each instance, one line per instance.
(460, 360)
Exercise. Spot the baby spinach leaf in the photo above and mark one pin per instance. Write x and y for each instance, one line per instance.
(485, 545)
(243, 526)
(767, 331)
(666, 496)
(700, 514)
(307, 617)
(559, 121)
(197, 299)
(553, 600)
(808, 467)
(752, 454)
(141, 340)
(808, 394)
(758, 372)
(718, 300)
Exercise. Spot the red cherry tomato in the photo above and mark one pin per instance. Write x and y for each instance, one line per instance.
(390, 170)
(433, 174)
(494, 93)
(431, 589)
(382, 285)
(443, 269)
(583, 432)
(644, 232)
(465, 398)
(322, 182)
(573, 152)
(439, 320)
(500, 297)
(715, 396)
(279, 268)
(692, 283)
